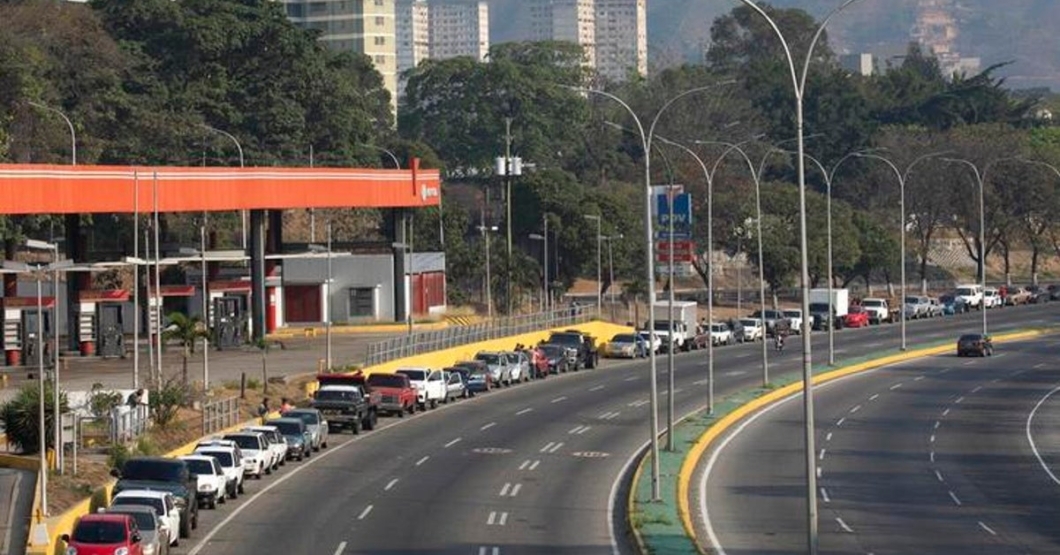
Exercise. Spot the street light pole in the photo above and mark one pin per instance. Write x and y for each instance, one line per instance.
(69, 124)
(485, 231)
(979, 175)
(393, 157)
(799, 88)
(903, 177)
(205, 313)
(239, 147)
(327, 304)
(611, 270)
(599, 272)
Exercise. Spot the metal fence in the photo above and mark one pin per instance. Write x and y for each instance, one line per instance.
(455, 336)
(121, 425)
(220, 414)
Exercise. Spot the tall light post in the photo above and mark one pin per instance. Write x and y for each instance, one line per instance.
(646, 141)
(829, 178)
(599, 267)
(54, 248)
(485, 230)
(979, 175)
(69, 124)
(611, 270)
(903, 177)
(799, 88)
(1034, 278)
(242, 164)
(546, 300)
(327, 295)
(201, 254)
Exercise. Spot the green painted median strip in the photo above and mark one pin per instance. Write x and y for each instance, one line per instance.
(664, 527)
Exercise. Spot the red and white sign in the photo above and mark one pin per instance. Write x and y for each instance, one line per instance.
(678, 246)
(664, 257)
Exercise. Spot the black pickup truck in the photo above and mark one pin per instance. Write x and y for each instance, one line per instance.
(345, 406)
(163, 474)
(583, 344)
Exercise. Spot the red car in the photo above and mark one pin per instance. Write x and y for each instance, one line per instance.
(104, 534)
(858, 317)
(397, 395)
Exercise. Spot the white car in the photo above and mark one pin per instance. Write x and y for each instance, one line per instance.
(231, 460)
(753, 330)
(455, 388)
(720, 334)
(257, 458)
(277, 443)
(653, 339)
(878, 310)
(520, 366)
(212, 484)
(794, 316)
(162, 502)
(992, 298)
(429, 385)
(971, 295)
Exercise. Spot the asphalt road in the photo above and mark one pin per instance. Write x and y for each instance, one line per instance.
(943, 455)
(535, 468)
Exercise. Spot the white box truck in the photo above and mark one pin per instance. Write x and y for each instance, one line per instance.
(685, 318)
(819, 307)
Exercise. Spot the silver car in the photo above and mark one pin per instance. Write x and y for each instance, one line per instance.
(498, 366)
(154, 535)
(315, 424)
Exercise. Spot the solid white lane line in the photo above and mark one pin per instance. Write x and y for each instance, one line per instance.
(874, 397)
(844, 526)
(556, 447)
(487, 426)
(423, 460)
(559, 399)
(340, 548)
(390, 484)
(956, 501)
(959, 401)
(828, 437)
(515, 490)
(524, 411)
(365, 512)
(824, 496)
(1030, 436)
(452, 443)
(939, 476)
(597, 388)
(987, 528)
(533, 465)
(504, 490)
(896, 386)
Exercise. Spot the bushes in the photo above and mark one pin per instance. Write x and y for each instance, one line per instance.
(20, 417)
(165, 402)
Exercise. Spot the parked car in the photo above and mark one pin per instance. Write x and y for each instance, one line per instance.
(992, 298)
(752, 329)
(1017, 296)
(397, 396)
(429, 386)
(1054, 292)
(277, 444)
(878, 309)
(257, 459)
(154, 534)
(771, 318)
(455, 388)
(626, 345)
(479, 378)
(104, 534)
(213, 484)
(345, 406)
(162, 474)
(315, 423)
(519, 366)
(652, 339)
(231, 460)
(296, 433)
(559, 358)
(952, 304)
(794, 318)
(856, 317)
(162, 502)
(915, 307)
(538, 362)
(498, 365)
(1038, 294)
(934, 307)
(971, 294)
(583, 344)
(720, 334)
(736, 327)
(976, 344)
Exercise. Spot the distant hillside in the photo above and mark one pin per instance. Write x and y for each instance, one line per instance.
(1021, 31)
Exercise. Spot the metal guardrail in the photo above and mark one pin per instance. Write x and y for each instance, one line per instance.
(220, 414)
(455, 336)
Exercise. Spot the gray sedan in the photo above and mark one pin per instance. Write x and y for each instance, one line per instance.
(315, 423)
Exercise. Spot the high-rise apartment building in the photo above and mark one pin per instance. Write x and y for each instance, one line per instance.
(621, 38)
(363, 26)
(460, 28)
(413, 37)
(564, 20)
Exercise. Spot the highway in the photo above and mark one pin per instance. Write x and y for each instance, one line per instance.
(535, 468)
(943, 455)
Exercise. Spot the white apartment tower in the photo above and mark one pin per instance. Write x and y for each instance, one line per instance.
(565, 20)
(362, 26)
(413, 37)
(621, 38)
(460, 28)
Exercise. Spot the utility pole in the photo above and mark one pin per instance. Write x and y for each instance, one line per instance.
(508, 209)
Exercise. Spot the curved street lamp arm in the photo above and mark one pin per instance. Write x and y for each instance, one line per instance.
(69, 124)
(813, 43)
(384, 151)
(668, 103)
(783, 42)
(231, 137)
(1040, 163)
(640, 128)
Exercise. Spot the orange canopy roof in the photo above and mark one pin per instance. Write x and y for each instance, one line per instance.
(50, 189)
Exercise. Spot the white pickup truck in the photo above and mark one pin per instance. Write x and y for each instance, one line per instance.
(878, 309)
(429, 384)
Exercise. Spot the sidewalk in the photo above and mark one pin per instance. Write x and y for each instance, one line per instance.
(16, 489)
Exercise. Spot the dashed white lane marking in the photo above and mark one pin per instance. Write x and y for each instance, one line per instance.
(701, 382)
(931, 456)
(678, 390)
(735, 373)
(529, 464)
(855, 409)
(533, 465)
(556, 447)
(824, 496)
(453, 442)
(546, 447)
(945, 412)
(939, 476)
(818, 472)
(932, 438)
(744, 355)
(977, 389)
(559, 399)
(944, 370)
(611, 415)
(959, 401)
(597, 388)
(918, 378)
(497, 519)
(1000, 355)
(487, 426)
(515, 490)
(874, 397)
(524, 411)
(1036, 367)
(578, 430)
(364, 513)
(821, 456)
(970, 362)
(632, 378)
(840, 422)
(487, 551)
(638, 403)
(390, 485)
(937, 424)
(956, 501)
(340, 548)
(828, 437)
(987, 528)
(896, 386)
(504, 490)
(844, 526)
(423, 460)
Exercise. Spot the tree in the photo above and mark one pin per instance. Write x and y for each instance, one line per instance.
(186, 331)
(879, 249)
(21, 417)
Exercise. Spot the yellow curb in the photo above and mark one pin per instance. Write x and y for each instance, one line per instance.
(631, 505)
(703, 443)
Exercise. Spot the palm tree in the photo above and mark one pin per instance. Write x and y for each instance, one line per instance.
(186, 330)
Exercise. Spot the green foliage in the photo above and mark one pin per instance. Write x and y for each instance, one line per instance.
(20, 417)
(117, 454)
(101, 402)
(165, 402)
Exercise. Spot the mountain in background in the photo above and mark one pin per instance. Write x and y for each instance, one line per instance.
(1018, 31)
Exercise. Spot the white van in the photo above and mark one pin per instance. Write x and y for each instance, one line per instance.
(971, 295)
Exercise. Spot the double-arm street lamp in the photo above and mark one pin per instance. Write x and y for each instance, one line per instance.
(980, 176)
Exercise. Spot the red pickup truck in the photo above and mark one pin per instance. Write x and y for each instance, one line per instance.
(397, 396)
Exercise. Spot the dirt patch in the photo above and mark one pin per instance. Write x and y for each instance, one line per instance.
(67, 490)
